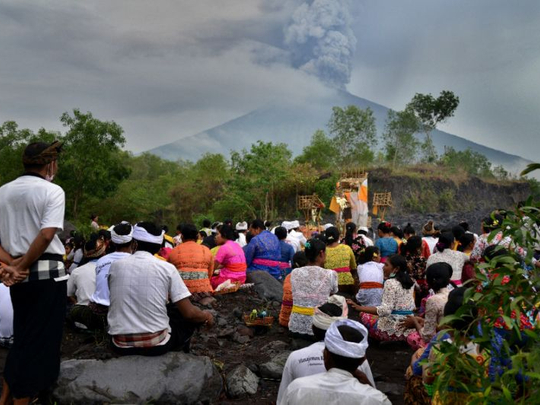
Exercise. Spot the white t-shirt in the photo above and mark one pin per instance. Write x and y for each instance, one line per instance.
(29, 204)
(101, 295)
(140, 286)
(241, 239)
(82, 283)
(77, 257)
(309, 361)
(6, 313)
(296, 239)
(334, 387)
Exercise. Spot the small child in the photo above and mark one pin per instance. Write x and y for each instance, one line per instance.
(371, 277)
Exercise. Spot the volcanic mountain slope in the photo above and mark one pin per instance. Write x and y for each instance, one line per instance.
(294, 125)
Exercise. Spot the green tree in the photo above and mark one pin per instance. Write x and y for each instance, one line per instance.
(321, 153)
(401, 146)
(93, 163)
(472, 162)
(430, 112)
(12, 143)
(354, 133)
(258, 177)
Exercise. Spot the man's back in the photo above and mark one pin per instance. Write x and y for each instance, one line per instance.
(140, 286)
(336, 386)
(27, 205)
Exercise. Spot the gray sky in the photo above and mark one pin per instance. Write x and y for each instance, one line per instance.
(168, 69)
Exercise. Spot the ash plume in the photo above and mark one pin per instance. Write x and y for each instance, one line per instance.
(321, 40)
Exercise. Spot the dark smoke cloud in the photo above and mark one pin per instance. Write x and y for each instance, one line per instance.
(321, 40)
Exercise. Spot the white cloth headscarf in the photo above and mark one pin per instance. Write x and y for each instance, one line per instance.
(121, 239)
(323, 321)
(334, 342)
(141, 234)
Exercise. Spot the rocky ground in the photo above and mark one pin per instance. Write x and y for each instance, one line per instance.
(249, 359)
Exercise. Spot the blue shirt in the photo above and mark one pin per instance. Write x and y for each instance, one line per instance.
(387, 246)
(264, 246)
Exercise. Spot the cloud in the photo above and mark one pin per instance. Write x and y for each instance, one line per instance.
(322, 41)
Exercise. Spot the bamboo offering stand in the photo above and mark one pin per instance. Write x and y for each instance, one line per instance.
(382, 201)
(311, 206)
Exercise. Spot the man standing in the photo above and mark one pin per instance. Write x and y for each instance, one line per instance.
(31, 212)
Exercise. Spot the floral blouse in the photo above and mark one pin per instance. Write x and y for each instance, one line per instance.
(395, 298)
(482, 243)
(358, 246)
(453, 258)
(434, 313)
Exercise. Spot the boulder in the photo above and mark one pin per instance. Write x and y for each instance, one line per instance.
(172, 378)
(241, 382)
(265, 285)
(274, 368)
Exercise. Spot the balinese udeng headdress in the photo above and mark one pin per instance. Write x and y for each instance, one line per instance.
(334, 342)
(141, 234)
(47, 155)
(323, 321)
(121, 239)
(98, 251)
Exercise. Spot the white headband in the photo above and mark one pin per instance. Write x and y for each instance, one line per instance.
(323, 321)
(141, 234)
(121, 239)
(334, 342)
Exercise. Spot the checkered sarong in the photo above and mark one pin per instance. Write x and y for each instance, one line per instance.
(140, 339)
(46, 268)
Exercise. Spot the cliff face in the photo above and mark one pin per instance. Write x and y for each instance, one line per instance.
(420, 197)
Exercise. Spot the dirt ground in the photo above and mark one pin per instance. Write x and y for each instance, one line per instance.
(227, 348)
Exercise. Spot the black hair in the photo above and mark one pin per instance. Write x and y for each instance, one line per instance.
(249, 236)
(313, 248)
(350, 228)
(203, 234)
(228, 222)
(206, 223)
(493, 251)
(396, 230)
(454, 303)
(104, 234)
(258, 224)
(348, 334)
(464, 225)
(465, 240)
(165, 228)
(227, 232)
(93, 216)
(493, 222)
(189, 232)
(34, 149)
(332, 235)
(438, 275)
(299, 260)
(209, 241)
(402, 274)
(362, 231)
(328, 309)
(411, 246)
(384, 227)
(458, 232)
(409, 230)
(122, 229)
(90, 245)
(281, 232)
(320, 236)
(267, 224)
(154, 230)
(446, 240)
(368, 253)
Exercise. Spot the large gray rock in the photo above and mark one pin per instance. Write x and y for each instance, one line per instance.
(274, 368)
(172, 378)
(241, 382)
(265, 285)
